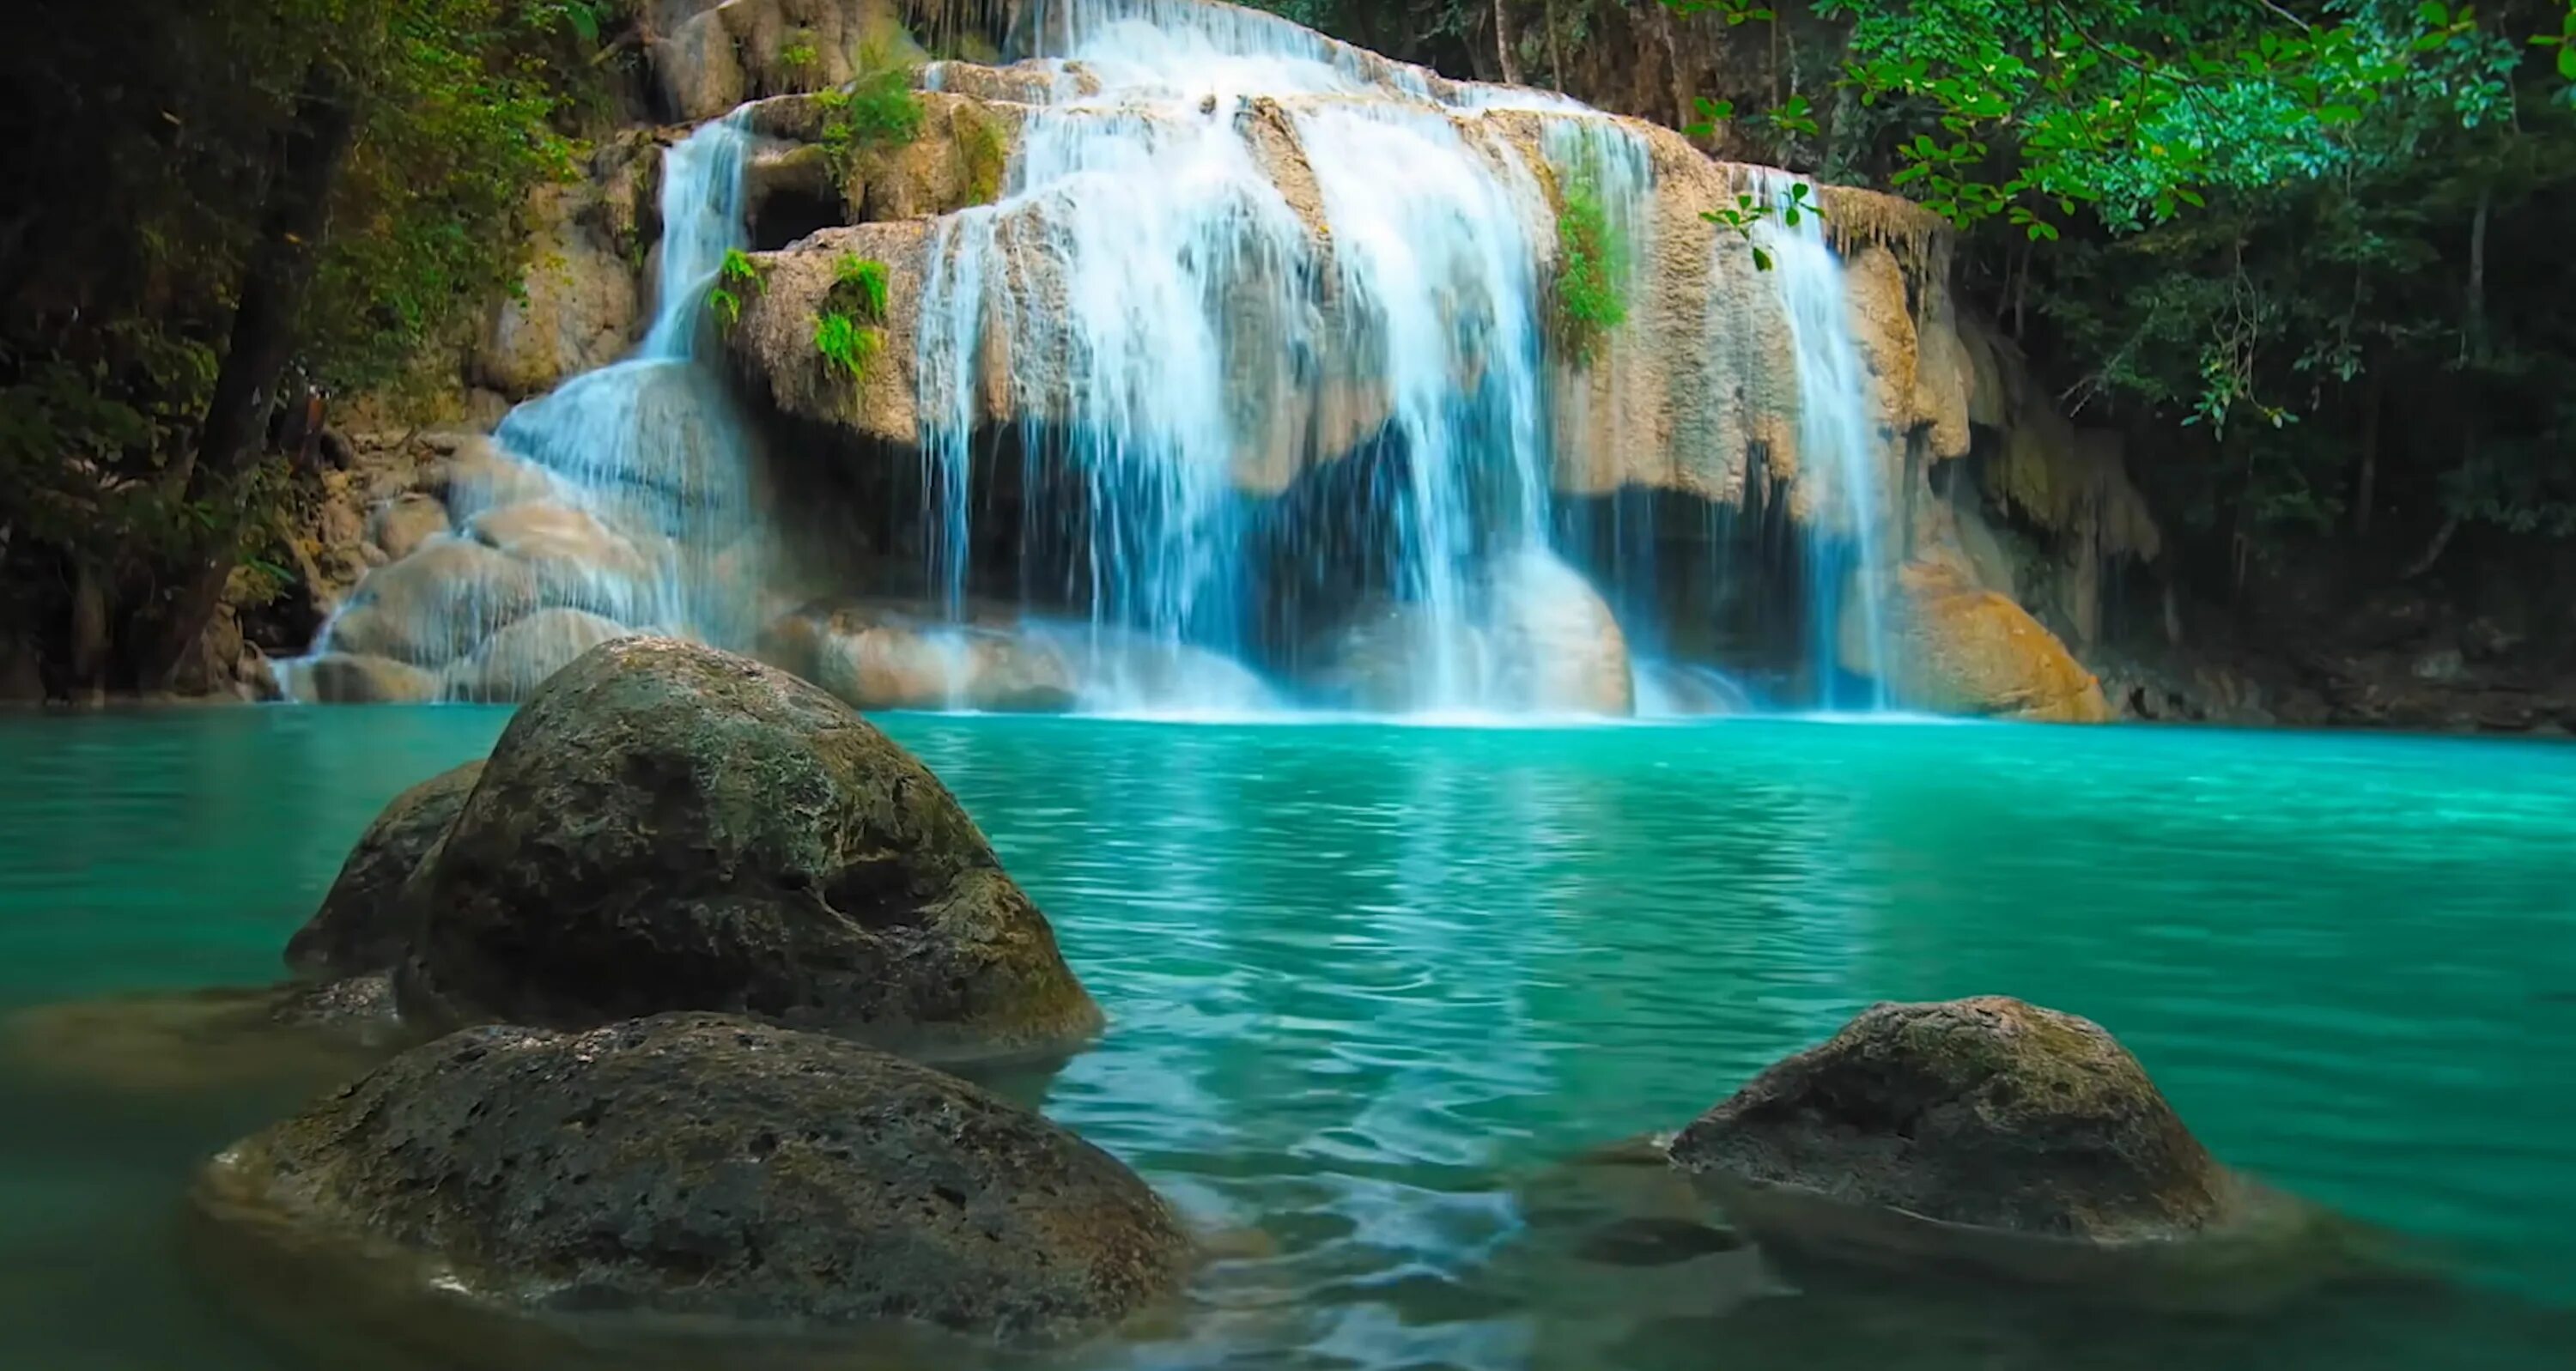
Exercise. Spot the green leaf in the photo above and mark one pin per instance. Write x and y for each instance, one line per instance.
(1761, 260)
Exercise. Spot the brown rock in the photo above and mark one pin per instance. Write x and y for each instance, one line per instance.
(1988, 1112)
(1954, 649)
(399, 526)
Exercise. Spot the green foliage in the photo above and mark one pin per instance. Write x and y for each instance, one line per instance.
(847, 346)
(979, 141)
(1748, 211)
(848, 329)
(877, 111)
(145, 138)
(799, 56)
(738, 279)
(1589, 296)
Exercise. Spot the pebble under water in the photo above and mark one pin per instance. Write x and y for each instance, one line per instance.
(1374, 988)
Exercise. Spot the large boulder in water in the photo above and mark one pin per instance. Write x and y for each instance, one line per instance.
(2000, 1134)
(358, 929)
(697, 1166)
(1953, 648)
(667, 827)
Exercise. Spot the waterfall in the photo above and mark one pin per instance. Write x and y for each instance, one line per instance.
(1835, 432)
(1257, 382)
(620, 502)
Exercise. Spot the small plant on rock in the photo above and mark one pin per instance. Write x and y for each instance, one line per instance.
(879, 110)
(1589, 293)
(849, 328)
(737, 280)
(799, 57)
(987, 157)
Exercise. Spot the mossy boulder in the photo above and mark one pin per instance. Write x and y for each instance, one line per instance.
(697, 1166)
(2006, 1136)
(669, 827)
(359, 928)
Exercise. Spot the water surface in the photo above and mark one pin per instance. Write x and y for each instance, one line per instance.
(1371, 986)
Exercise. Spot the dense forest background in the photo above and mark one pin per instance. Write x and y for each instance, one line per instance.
(2308, 258)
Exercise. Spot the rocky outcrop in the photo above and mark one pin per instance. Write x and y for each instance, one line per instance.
(697, 1166)
(668, 827)
(2001, 1134)
(580, 302)
(1952, 648)
(874, 657)
(359, 928)
(712, 55)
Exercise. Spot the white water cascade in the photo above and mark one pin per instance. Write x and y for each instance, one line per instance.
(621, 502)
(1253, 386)
(1835, 431)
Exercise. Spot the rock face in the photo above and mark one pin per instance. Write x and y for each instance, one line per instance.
(358, 929)
(1987, 1112)
(695, 1165)
(668, 827)
(1955, 649)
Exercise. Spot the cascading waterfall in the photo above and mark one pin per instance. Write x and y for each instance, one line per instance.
(1267, 323)
(1192, 301)
(622, 501)
(1834, 431)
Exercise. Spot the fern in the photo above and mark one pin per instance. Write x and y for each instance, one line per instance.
(738, 279)
(859, 287)
(847, 346)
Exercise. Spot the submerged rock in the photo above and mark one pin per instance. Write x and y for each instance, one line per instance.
(358, 929)
(2004, 1135)
(698, 1166)
(669, 827)
(197, 1042)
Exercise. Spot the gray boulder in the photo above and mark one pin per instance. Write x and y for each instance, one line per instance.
(668, 827)
(359, 928)
(704, 1167)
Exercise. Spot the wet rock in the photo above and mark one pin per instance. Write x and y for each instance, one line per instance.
(2003, 1135)
(357, 930)
(435, 605)
(399, 526)
(873, 657)
(341, 678)
(1536, 637)
(514, 663)
(305, 1034)
(665, 826)
(697, 1166)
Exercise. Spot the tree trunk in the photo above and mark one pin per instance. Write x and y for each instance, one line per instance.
(1555, 52)
(309, 156)
(1503, 45)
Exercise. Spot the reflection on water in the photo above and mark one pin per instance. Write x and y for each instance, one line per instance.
(1372, 988)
